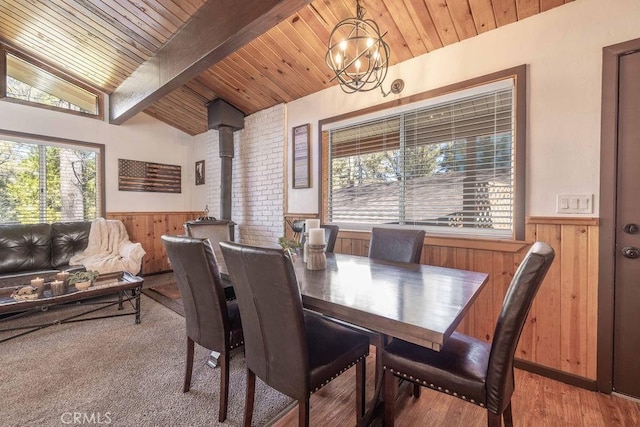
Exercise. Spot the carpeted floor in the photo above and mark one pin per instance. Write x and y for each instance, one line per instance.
(111, 371)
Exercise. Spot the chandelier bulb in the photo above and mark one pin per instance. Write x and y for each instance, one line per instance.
(358, 64)
(369, 42)
(338, 59)
(343, 45)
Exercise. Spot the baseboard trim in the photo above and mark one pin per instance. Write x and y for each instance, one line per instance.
(557, 375)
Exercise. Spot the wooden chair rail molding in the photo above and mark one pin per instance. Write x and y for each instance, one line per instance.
(147, 227)
(560, 333)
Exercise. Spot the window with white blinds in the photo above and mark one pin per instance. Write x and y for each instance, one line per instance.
(446, 165)
(44, 182)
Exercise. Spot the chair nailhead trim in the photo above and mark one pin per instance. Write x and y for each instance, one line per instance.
(432, 386)
(338, 374)
(241, 343)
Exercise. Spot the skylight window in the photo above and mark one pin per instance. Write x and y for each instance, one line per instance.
(27, 82)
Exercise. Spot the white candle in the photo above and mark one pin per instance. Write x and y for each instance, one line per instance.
(37, 282)
(316, 236)
(57, 287)
(311, 223)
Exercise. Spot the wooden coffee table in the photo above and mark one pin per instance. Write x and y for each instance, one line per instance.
(126, 286)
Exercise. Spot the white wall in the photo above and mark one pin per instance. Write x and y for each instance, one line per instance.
(141, 138)
(563, 50)
(258, 174)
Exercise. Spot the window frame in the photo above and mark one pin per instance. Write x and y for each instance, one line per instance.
(519, 76)
(52, 141)
(4, 49)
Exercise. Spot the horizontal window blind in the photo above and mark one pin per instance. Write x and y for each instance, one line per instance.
(448, 166)
(47, 183)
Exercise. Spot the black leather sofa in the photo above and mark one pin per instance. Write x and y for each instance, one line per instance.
(30, 250)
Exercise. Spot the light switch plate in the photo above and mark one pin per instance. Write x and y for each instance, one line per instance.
(574, 203)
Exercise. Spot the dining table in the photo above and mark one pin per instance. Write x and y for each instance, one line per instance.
(421, 304)
(418, 303)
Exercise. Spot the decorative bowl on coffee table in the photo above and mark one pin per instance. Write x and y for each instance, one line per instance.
(82, 286)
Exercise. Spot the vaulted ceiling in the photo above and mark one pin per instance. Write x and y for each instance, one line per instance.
(269, 61)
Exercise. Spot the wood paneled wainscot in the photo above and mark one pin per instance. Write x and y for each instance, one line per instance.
(560, 333)
(147, 228)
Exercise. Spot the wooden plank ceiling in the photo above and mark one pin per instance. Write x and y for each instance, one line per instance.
(102, 42)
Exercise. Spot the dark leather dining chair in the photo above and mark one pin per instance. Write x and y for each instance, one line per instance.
(396, 244)
(291, 349)
(399, 245)
(213, 229)
(211, 321)
(471, 369)
(330, 236)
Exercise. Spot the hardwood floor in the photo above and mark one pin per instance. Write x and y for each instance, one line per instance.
(537, 401)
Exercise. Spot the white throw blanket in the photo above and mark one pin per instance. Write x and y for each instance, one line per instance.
(109, 249)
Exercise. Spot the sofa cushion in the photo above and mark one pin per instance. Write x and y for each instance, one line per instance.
(68, 239)
(25, 247)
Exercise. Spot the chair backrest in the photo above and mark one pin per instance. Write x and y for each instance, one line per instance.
(297, 226)
(396, 244)
(330, 236)
(516, 305)
(270, 303)
(196, 272)
(215, 230)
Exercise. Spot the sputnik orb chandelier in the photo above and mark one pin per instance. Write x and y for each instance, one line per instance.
(357, 54)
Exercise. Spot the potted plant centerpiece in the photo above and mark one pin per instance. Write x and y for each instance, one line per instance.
(83, 279)
(289, 245)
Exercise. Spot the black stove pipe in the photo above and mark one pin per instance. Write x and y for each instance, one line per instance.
(226, 119)
(225, 137)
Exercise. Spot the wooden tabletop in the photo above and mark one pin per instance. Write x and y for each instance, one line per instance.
(418, 303)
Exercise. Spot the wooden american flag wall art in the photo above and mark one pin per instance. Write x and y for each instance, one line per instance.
(134, 175)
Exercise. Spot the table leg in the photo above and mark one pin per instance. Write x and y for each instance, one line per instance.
(377, 403)
(137, 292)
(377, 400)
(120, 299)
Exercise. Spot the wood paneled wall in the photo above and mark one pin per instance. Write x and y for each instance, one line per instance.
(147, 227)
(561, 329)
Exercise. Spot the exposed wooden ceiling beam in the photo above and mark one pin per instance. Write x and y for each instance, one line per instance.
(213, 33)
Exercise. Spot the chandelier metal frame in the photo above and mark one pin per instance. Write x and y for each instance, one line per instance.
(357, 53)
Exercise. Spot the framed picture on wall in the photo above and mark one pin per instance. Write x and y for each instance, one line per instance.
(200, 172)
(301, 158)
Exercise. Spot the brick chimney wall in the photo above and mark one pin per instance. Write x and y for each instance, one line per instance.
(258, 177)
